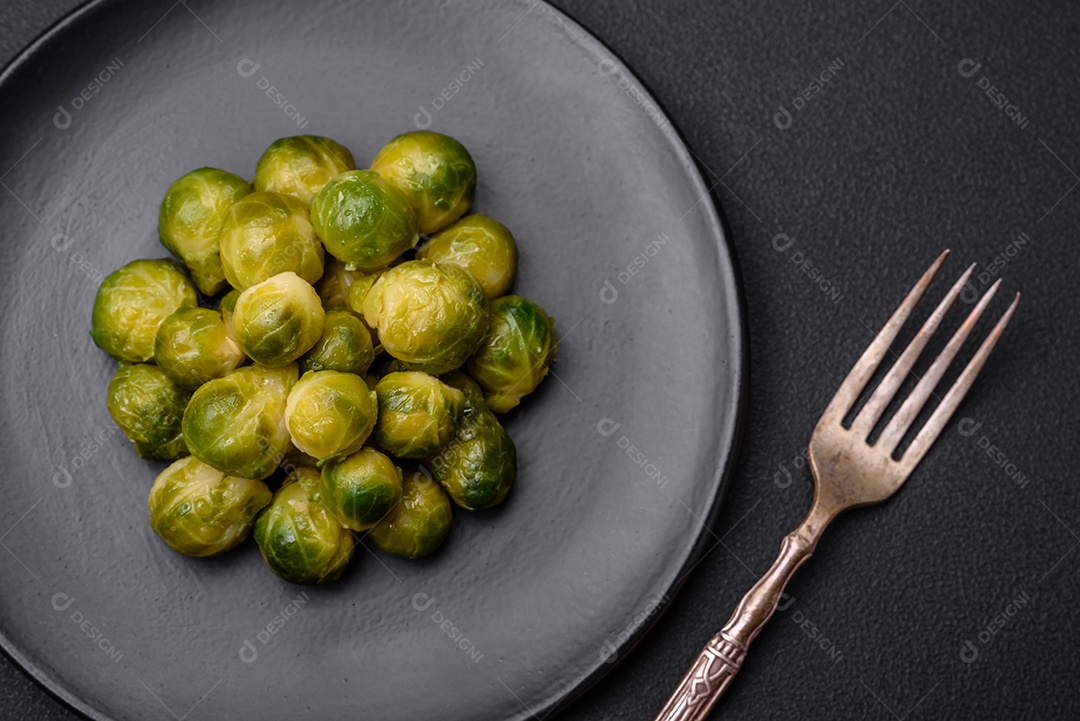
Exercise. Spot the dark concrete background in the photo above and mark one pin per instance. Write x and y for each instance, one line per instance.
(956, 598)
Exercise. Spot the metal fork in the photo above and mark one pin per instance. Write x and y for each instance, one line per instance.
(848, 471)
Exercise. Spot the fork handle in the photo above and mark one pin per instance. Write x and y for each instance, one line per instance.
(714, 668)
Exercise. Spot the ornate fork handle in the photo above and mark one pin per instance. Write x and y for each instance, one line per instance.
(713, 670)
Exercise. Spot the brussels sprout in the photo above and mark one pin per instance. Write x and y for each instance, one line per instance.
(132, 302)
(148, 408)
(480, 245)
(193, 346)
(264, 234)
(189, 222)
(300, 539)
(431, 316)
(330, 414)
(296, 459)
(237, 423)
(419, 523)
(226, 307)
(435, 172)
(345, 346)
(200, 511)
(418, 414)
(333, 287)
(364, 221)
(361, 489)
(516, 353)
(359, 290)
(478, 467)
(300, 166)
(278, 320)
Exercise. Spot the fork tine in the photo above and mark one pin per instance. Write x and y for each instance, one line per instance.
(914, 403)
(949, 403)
(886, 390)
(871, 358)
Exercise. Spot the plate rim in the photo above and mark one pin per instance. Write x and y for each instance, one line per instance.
(732, 292)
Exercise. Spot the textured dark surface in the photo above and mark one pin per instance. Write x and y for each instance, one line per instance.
(897, 156)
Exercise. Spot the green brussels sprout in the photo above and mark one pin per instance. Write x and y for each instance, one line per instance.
(333, 287)
(149, 408)
(226, 306)
(361, 489)
(264, 234)
(330, 414)
(189, 222)
(237, 423)
(200, 511)
(364, 221)
(193, 346)
(300, 166)
(359, 289)
(480, 245)
(345, 346)
(516, 353)
(131, 303)
(300, 539)
(479, 465)
(435, 172)
(419, 523)
(296, 459)
(431, 316)
(278, 320)
(418, 414)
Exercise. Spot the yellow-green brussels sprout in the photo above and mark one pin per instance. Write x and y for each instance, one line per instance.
(431, 316)
(361, 489)
(237, 423)
(516, 353)
(200, 511)
(480, 245)
(278, 320)
(148, 408)
(364, 221)
(345, 346)
(226, 306)
(300, 166)
(193, 346)
(333, 287)
(419, 523)
(131, 303)
(435, 172)
(300, 539)
(189, 222)
(418, 414)
(330, 414)
(479, 465)
(359, 289)
(264, 234)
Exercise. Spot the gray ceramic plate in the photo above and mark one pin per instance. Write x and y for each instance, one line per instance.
(623, 453)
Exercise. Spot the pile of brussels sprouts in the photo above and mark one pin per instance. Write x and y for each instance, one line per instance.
(305, 341)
